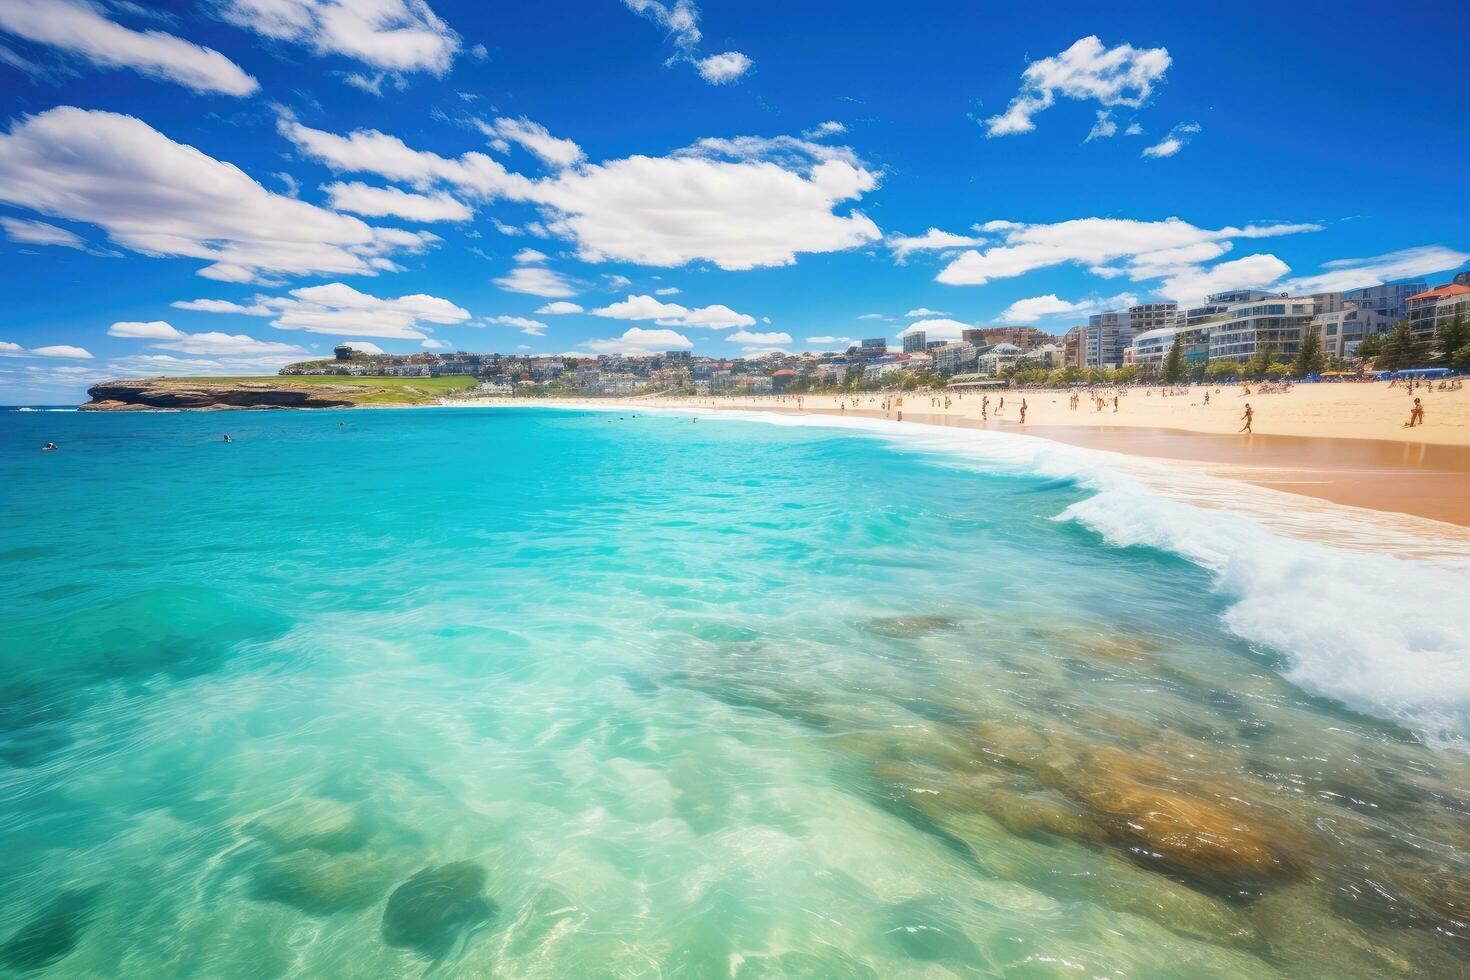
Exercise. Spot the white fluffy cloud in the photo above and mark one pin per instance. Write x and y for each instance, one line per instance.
(533, 328)
(534, 137)
(536, 281)
(773, 201)
(336, 308)
(938, 329)
(162, 198)
(1122, 75)
(829, 128)
(379, 202)
(1345, 274)
(529, 255)
(931, 240)
(1094, 242)
(762, 339)
(1103, 128)
(1191, 285)
(920, 312)
(715, 317)
(396, 35)
(168, 337)
(721, 69)
(369, 151)
(28, 232)
(1039, 307)
(680, 19)
(1174, 142)
(829, 340)
(559, 308)
(8, 349)
(637, 340)
(83, 29)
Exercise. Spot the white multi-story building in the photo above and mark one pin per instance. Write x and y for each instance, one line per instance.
(953, 358)
(1151, 346)
(1274, 324)
(1343, 330)
(991, 361)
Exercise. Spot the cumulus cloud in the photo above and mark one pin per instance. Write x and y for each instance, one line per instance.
(8, 349)
(528, 256)
(637, 340)
(931, 240)
(939, 328)
(776, 198)
(83, 29)
(681, 20)
(162, 198)
(525, 325)
(829, 128)
(534, 137)
(380, 202)
(337, 308)
(721, 69)
(667, 291)
(1117, 76)
(829, 340)
(1040, 307)
(396, 35)
(1174, 142)
(168, 337)
(1191, 285)
(714, 317)
(536, 281)
(559, 308)
(1093, 242)
(1407, 263)
(1103, 128)
(920, 312)
(762, 339)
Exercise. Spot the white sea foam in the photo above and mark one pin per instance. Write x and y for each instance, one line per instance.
(1382, 633)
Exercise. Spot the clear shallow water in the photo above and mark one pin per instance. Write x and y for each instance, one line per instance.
(697, 699)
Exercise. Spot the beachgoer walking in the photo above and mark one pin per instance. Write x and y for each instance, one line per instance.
(1023, 411)
(1416, 414)
(1249, 418)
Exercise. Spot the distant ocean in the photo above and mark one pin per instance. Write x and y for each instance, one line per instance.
(555, 693)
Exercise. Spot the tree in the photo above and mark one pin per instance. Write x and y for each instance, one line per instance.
(1174, 363)
(1370, 346)
(1401, 348)
(1452, 335)
(1462, 359)
(1258, 363)
(1309, 357)
(1222, 369)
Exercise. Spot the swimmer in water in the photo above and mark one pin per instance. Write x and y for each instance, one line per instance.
(50, 447)
(227, 438)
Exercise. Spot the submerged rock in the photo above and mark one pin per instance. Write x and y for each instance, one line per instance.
(52, 934)
(318, 824)
(906, 627)
(1030, 813)
(319, 883)
(429, 912)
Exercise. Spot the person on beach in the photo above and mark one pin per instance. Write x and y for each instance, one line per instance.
(1416, 415)
(50, 447)
(1023, 411)
(1249, 417)
(1207, 398)
(1115, 404)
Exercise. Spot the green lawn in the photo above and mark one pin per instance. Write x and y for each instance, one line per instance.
(363, 391)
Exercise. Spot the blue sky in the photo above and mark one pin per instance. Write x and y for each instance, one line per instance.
(220, 186)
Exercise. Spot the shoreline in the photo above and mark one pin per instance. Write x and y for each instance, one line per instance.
(1314, 486)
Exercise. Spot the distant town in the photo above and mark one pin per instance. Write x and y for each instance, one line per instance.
(1242, 333)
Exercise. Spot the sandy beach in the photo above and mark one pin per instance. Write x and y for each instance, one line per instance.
(1344, 443)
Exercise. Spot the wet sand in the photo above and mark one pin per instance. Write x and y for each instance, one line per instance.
(1422, 480)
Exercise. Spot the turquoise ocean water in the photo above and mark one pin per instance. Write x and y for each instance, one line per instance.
(562, 694)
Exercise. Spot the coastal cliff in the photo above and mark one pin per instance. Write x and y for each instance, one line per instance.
(175, 393)
(270, 391)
